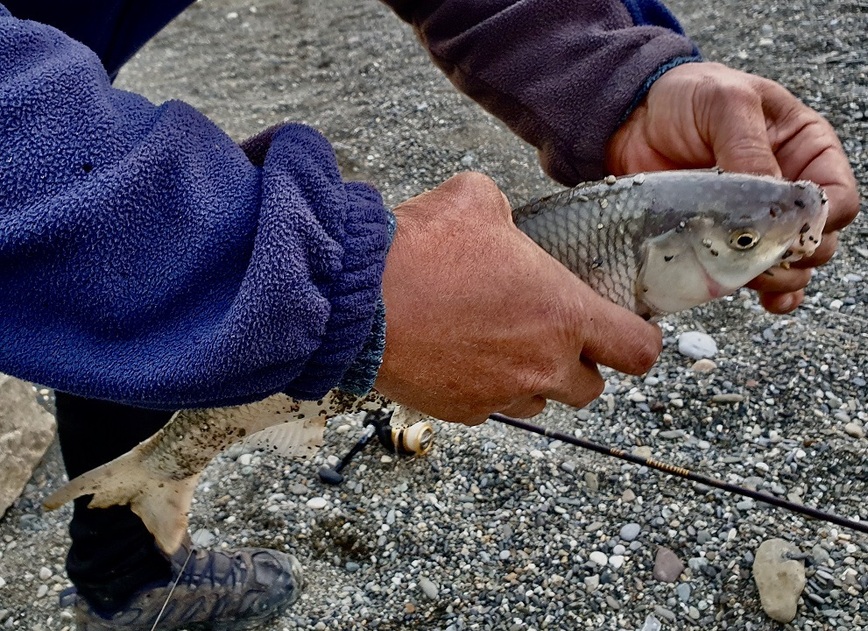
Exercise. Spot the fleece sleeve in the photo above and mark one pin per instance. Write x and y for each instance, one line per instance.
(146, 258)
(562, 74)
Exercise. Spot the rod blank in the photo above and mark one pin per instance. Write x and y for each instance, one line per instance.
(684, 473)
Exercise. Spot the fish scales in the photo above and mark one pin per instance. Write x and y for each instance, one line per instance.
(595, 241)
(654, 244)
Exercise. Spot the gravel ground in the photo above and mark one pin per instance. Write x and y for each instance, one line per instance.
(496, 528)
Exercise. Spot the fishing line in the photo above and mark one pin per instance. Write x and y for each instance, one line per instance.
(684, 473)
(174, 585)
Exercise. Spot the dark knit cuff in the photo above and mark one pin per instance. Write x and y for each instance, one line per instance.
(359, 378)
(355, 299)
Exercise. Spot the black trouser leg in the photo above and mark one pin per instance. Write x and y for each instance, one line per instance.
(112, 554)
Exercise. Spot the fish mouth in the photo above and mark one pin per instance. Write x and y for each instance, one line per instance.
(810, 235)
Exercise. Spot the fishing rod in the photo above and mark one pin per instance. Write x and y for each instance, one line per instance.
(683, 473)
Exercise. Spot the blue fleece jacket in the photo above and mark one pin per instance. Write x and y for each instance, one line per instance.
(145, 258)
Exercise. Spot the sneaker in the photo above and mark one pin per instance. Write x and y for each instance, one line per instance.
(219, 591)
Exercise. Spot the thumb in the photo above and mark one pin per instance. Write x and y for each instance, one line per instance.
(619, 338)
(737, 133)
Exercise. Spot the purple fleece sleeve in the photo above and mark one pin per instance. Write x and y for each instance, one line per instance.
(562, 74)
(146, 259)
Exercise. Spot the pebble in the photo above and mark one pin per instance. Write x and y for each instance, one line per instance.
(703, 366)
(428, 587)
(697, 345)
(599, 558)
(667, 566)
(682, 590)
(616, 561)
(630, 531)
(317, 502)
(855, 430)
(779, 579)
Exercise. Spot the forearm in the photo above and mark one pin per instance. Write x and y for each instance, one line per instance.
(147, 259)
(562, 74)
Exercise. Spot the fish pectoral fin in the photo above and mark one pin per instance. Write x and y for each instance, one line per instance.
(161, 503)
(295, 439)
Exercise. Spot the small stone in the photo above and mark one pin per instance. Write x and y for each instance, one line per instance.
(703, 366)
(352, 566)
(44, 573)
(779, 579)
(855, 430)
(697, 345)
(667, 566)
(592, 481)
(616, 561)
(428, 587)
(628, 496)
(630, 531)
(683, 592)
(409, 608)
(592, 582)
(729, 397)
(504, 555)
(599, 558)
(317, 502)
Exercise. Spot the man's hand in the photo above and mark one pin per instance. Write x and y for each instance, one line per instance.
(479, 319)
(703, 114)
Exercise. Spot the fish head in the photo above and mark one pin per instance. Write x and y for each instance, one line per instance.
(748, 227)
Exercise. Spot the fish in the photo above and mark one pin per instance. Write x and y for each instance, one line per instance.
(664, 242)
(654, 243)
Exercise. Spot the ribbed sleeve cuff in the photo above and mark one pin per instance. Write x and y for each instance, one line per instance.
(353, 342)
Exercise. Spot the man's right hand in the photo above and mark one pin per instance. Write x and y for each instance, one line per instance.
(479, 319)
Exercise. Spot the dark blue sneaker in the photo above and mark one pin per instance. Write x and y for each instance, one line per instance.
(217, 590)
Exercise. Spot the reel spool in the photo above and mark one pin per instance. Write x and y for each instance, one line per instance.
(415, 440)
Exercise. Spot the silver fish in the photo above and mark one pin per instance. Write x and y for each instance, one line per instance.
(664, 242)
(655, 244)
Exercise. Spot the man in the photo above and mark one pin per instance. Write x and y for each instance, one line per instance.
(155, 264)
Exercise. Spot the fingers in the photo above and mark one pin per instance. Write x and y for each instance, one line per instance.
(619, 339)
(780, 280)
(781, 303)
(731, 118)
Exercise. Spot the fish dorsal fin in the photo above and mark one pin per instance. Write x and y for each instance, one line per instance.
(295, 439)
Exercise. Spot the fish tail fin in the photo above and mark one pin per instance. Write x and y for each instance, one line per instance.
(162, 504)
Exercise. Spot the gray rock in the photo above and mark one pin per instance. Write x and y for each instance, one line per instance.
(630, 531)
(667, 566)
(780, 580)
(428, 587)
(697, 345)
(26, 431)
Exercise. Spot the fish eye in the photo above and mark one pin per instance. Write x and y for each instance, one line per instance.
(743, 239)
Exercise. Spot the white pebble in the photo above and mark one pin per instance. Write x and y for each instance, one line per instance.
(44, 573)
(616, 561)
(317, 502)
(697, 345)
(599, 558)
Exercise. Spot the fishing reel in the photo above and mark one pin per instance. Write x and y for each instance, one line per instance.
(415, 440)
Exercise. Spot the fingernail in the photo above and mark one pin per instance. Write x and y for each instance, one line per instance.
(786, 302)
